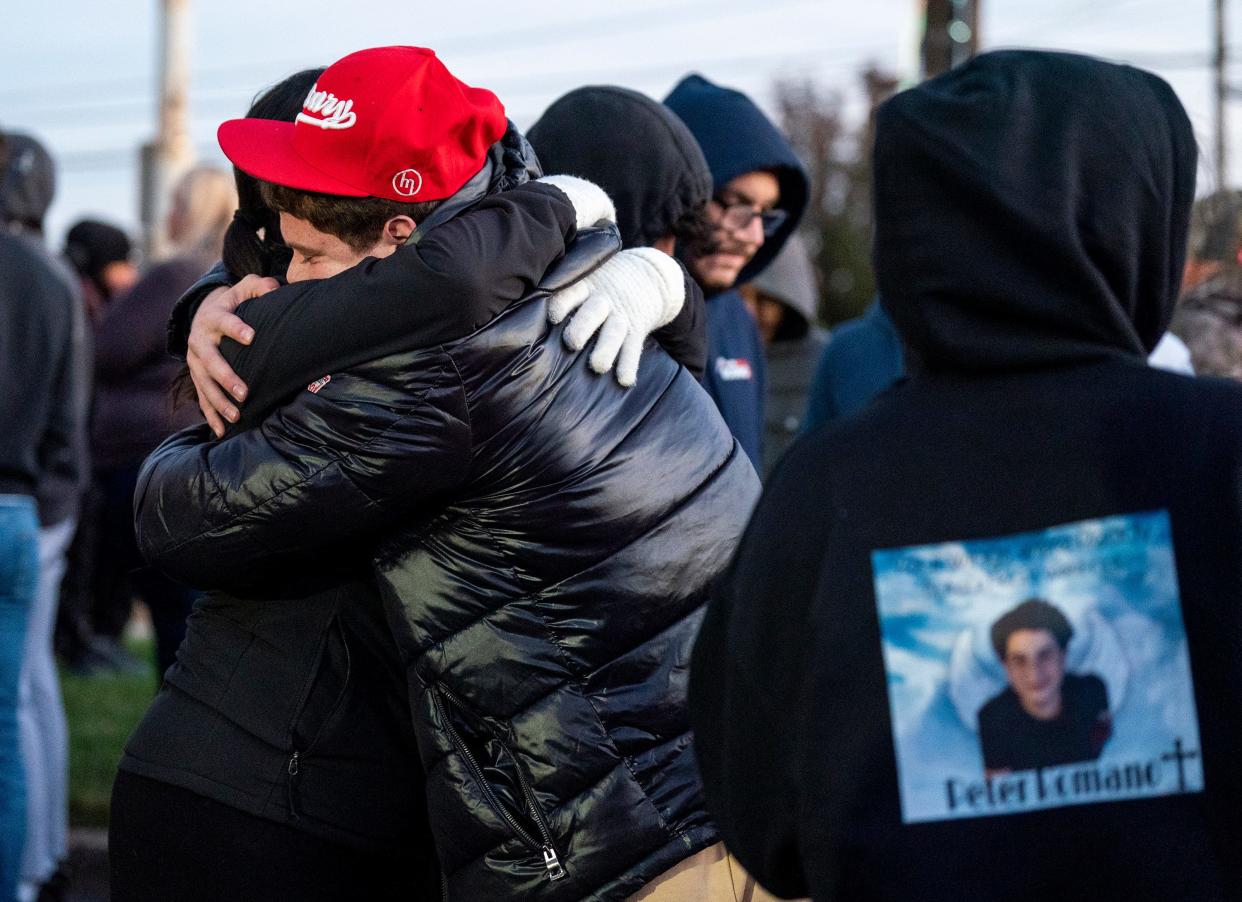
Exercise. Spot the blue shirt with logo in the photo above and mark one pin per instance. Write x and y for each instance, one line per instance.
(736, 376)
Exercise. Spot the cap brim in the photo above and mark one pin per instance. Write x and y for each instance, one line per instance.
(264, 149)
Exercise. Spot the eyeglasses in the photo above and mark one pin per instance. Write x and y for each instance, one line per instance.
(739, 215)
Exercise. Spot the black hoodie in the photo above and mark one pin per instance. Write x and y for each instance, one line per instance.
(636, 149)
(1031, 212)
(647, 161)
(1007, 233)
(44, 445)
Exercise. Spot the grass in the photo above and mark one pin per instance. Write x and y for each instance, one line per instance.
(102, 712)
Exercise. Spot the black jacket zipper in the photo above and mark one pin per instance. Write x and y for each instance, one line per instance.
(551, 861)
(293, 767)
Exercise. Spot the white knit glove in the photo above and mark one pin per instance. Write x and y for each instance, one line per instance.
(590, 202)
(634, 293)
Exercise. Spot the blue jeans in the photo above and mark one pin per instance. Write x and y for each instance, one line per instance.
(41, 729)
(19, 573)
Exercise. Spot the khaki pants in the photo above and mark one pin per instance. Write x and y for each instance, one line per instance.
(712, 875)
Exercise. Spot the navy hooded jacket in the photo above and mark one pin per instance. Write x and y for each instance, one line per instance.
(863, 359)
(737, 138)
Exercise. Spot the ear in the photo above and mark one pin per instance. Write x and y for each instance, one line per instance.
(398, 230)
(665, 244)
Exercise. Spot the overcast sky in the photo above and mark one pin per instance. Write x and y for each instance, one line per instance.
(80, 74)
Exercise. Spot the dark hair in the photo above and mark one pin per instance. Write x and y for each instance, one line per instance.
(4, 151)
(245, 249)
(90, 245)
(1032, 614)
(357, 221)
(695, 233)
(252, 241)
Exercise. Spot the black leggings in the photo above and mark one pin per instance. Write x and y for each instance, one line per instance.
(167, 844)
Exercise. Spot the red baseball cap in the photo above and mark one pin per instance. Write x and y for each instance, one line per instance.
(389, 122)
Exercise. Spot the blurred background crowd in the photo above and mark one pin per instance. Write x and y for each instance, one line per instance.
(129, 231)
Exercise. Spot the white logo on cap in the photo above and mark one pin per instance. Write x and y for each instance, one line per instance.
(407, 182)
(330, 111)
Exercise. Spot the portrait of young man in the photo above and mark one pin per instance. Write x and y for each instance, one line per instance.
(1045, 716)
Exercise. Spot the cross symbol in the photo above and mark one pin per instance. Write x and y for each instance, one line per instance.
(1180, 757)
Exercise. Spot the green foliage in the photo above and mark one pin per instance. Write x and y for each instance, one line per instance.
(102, 711)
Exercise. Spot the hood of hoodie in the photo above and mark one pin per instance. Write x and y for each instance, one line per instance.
(791, 280)
(737, 138)
(28, 182)
(1031, 209)
(633, 147)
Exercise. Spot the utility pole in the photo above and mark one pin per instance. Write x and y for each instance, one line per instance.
(950, 36)
(1222, 93)
(166, 158)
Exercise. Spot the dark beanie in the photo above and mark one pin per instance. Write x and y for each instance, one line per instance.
(633, 147)
(27, 182)
(90, 246)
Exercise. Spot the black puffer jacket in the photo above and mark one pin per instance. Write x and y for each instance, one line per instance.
(546, 540)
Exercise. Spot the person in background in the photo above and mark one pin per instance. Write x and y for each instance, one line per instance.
(133, 414)
(646, 160)
(758, 195)
(101, 255)
(784, 299)
(1215, 241)
(44, 350)
(1209, 321)
(863, 358)
(1208, 318)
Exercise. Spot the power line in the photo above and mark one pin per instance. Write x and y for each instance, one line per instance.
(121, 157)
(536, 37)
(1077, 15)
(528, 83)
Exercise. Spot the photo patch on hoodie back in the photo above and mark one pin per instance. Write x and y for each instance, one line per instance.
(1038, 670)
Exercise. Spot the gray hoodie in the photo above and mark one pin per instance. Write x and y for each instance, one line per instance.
(794, 350)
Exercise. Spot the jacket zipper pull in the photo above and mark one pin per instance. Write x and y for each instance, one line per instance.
(552, 863)
(293, 773)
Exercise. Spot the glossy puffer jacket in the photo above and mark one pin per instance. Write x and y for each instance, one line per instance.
(545, 541)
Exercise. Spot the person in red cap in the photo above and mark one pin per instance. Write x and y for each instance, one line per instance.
(541, 538)
(330, 150)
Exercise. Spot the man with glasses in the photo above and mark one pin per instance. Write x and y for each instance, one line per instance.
(759, 192)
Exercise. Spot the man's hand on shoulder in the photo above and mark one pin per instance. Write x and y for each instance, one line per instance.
(591, 204)
(214, 380)
(632, 295)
